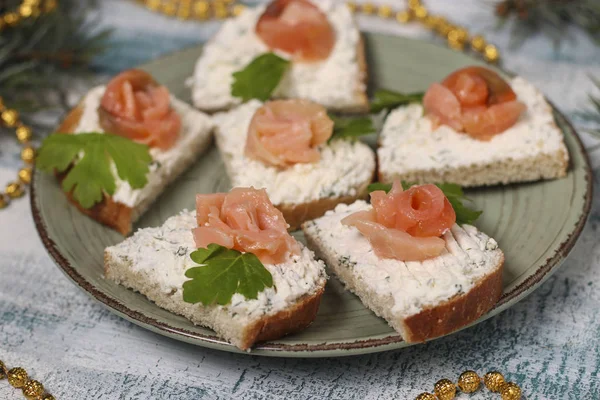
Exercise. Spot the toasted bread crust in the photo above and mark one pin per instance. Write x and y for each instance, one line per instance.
(114, 215)
(457, 312)
(293, 319)
(296, 214)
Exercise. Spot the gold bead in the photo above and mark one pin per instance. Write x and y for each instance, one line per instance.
(220, 11)
(351, 6)
(421, 13)
(10, 117)
(413, 4)
(2, 366)
(490, 53)
(201, 9)
(48, 397)
(23, 134)
(426, 396)
(50, 5)
(14, 190)
(510, 391)
(443, 27)
(3, 204)
(25, 10)
(183, 12)
(385, 11)
(153, 4)
(28, 155)
(237, 9)
(25, 175)
(493, 381)
(403, 16)
(12, 18)
(17, 377)
(431, 21)
(444, 389)
(478, 43)
(169, 9)
(368, 8)
(33, 390)
(469, 382)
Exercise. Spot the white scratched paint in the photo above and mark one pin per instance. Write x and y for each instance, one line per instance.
(549, 343)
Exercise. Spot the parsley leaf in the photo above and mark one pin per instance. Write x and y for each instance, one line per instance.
(225, 272)
(386, 99)
(452, 191)
(90, 156)
(259, 78)
(351, 128)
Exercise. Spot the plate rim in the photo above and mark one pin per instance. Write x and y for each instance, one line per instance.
(340, 348)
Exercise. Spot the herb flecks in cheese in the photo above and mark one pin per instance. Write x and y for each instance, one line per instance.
(163, 255)
(412, 286)
(196, 126)
(408, 141)
(344, 164)
(332, 82)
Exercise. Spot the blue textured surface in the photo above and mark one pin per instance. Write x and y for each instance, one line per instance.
(548, 343)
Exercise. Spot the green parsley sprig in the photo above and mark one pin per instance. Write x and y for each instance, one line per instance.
(224, 273)
(260, 78)
(387, 99)
(452, 191)
(351, 128)
(89, 155)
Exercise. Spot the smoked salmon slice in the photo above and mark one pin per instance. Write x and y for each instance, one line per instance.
(136, 107)
(474, 100)
(406, 225)
(297, 27)
(245, 220)
(287, 132)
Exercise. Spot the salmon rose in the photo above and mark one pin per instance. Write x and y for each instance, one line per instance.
(136, 107)
(286, 132)
(297, 27)
(406, 225)
(245, 220)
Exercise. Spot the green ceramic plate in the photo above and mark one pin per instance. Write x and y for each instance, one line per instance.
(536, 224)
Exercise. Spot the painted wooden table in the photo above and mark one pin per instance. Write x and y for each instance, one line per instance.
(549, 343)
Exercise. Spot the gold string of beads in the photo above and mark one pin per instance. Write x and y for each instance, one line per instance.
(18, 378)
(457, 37)
(9, 117)
(470, 382)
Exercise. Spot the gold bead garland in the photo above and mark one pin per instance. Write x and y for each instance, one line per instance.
(469, 382)
(18, 378)
(9, 117)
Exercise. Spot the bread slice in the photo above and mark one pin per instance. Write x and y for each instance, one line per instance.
(122, 209)
(338, 83)
(531, 150)
(303, 191)
(154, 260)
(420, 300)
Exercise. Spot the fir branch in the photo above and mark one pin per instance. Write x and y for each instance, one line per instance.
(592, 116)
(550, 17)
(35, 52)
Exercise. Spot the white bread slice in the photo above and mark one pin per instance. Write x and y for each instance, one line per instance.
(531, 150)
(126, 205)
(338, 83)
(303, 191)
(154, 260)
(420, 300)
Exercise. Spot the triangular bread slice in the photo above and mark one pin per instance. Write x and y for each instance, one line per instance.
(122, 209)
(153, 262)
(533, 149)
(420, 300)
(338, 83)
(304, 191)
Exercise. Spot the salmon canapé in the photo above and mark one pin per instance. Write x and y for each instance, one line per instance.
(138, 108)
(474, 100)
(287, 132)
(245, 220)
(297, 27)
(406, 225)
